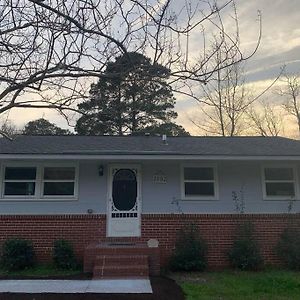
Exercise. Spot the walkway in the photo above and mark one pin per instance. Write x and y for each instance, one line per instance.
(103, 286)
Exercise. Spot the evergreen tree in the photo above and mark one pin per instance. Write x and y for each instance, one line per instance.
(43, 127)
(133, 96)
(170, 129)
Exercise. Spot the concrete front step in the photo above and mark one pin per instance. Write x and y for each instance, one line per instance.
(119, 271)
(116, 260)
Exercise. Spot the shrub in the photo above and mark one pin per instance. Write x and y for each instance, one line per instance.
(63, 255)
(245, 252)
(288, 248)
(190, 251)
(17, 254)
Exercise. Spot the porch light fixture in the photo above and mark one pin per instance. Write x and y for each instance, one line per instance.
(101, 170)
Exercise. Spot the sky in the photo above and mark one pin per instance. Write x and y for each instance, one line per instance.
(280, 45)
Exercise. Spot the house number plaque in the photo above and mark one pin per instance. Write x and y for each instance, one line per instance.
(159, 178)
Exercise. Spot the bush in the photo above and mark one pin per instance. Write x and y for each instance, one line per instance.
(190, 251)
(63, 255)
(288, 248)
(17, 254)
(245, 252)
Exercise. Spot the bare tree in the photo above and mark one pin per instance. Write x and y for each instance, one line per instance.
(291, 92)
(265, 119)
(47, 47)
(223, 101)
(8, 129)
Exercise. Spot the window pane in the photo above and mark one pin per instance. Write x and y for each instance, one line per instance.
(199, 189)
(59, 188)
(57, 173)
(19, 188)
(124, 175)
(198, 173)
(280, 189)
(12, 173)
(124, 189)
(279, 174)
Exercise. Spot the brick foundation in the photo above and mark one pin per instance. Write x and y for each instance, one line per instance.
(43, 230)
(217, 229)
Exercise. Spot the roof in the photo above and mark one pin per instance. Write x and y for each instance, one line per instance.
(149, 145)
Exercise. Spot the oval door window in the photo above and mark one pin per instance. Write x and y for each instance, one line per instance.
(124, 189)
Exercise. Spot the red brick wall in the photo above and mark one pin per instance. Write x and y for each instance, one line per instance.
(218, 230)
(43, 230)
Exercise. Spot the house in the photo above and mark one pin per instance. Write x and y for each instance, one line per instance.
(127, 193)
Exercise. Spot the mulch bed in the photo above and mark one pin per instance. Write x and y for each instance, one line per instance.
(163, 289)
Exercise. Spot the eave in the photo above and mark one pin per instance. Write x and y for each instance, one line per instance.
(148, 157)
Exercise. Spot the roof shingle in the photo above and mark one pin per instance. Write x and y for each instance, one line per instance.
(152, 145)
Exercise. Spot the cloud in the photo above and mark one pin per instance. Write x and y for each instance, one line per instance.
(280, 42)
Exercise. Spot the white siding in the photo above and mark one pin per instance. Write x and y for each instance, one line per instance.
(158, 198)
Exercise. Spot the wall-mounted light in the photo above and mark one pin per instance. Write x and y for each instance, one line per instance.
(101, 170)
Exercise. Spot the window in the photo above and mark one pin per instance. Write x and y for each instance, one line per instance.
(19, 181)
(279, 182)
(124, 189)
(59, 181)
(199, 183)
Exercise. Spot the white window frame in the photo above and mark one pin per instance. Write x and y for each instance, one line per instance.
(16, 165)
(199, 197)
(39, 182)
(75, 195)
(294, 181)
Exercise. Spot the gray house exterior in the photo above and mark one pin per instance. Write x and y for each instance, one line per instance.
(93, 176)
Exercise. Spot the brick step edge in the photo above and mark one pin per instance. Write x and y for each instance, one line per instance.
(121, 272)
(126, 269)
(121, 259)
(121, 251)
(121, 276)
(121, 267)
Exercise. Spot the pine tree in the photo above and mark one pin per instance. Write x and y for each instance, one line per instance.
(134, 96)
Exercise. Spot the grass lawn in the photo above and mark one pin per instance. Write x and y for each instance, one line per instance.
(40, 271)
(231, 285)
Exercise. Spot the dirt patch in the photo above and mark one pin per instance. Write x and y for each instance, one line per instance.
(163, 289)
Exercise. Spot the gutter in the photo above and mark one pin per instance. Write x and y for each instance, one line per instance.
(125, 157)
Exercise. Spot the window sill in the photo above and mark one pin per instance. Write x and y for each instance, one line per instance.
(199, 199)
(20, 199)
(280, 199)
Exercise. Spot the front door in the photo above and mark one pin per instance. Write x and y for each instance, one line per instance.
(124, 201)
